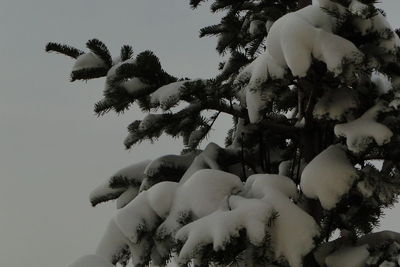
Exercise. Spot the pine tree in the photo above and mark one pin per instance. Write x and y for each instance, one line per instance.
(314, 93)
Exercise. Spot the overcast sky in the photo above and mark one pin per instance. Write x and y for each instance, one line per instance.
(53, 150)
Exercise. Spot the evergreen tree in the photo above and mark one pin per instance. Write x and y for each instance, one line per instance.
(314, 93)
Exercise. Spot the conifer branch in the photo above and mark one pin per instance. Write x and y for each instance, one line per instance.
(87, 74)
(63, 49)
(100, 49)
(126, 52)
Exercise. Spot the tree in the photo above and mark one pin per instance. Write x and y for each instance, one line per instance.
(314, 93)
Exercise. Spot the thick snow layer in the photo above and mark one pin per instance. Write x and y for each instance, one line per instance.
(205, 160)
(348, 257)
(297, 36)
(328, 176)
(112, 242)
(199, 196)
(259, 71)
(144, 212)
(292, 42)
(88, 61)
(286, 238)
(360, 133)
(168, 95)
(221, 226)
(91, 261)
(335, 104)
(127, 196)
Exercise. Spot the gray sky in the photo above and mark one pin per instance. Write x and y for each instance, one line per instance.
(54, 151)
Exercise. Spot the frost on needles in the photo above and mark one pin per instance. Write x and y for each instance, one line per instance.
(314, 148)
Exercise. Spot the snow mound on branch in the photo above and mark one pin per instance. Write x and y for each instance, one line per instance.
(205, 160)
(389, 40)
(361, 132)
(91, 261)
(88, 61)
(220, 227)
(381, 82)
(287, 240)
(335, 104)
(297, 36)
(134, 85)
(359, 9)
(112, 243)
(143, 213)
(328, 176)
(131, 86)
(123, 184)
(259, 71)
(168, 95)
(348, 257)
(292, 42)
(199, 196)
(395, 103)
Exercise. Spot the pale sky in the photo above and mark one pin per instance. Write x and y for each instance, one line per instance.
(54, 151)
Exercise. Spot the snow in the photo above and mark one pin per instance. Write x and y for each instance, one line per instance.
(143, 212)
(360, 133)
(348, 257)
(378, 24)
(112, 243)
(365, 189)
(294, 46)
(205, 160)
(335, 104)
(387, 264)
(131, 85)
(292, 42)
(150, 121)
(200, 195)
(127, 196)
(168, 95)
(111, 74)
(91, 261)
(286, 238)
(134, 85)
(268, 25)
(395, 103)
(196, 136)
(224, 214)
(255, 27)
(88, 61)
(133, 175)
(258, 72)
(181, 162)
(224, 224)
(359, 9)
(381, 82)
(328, 176)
